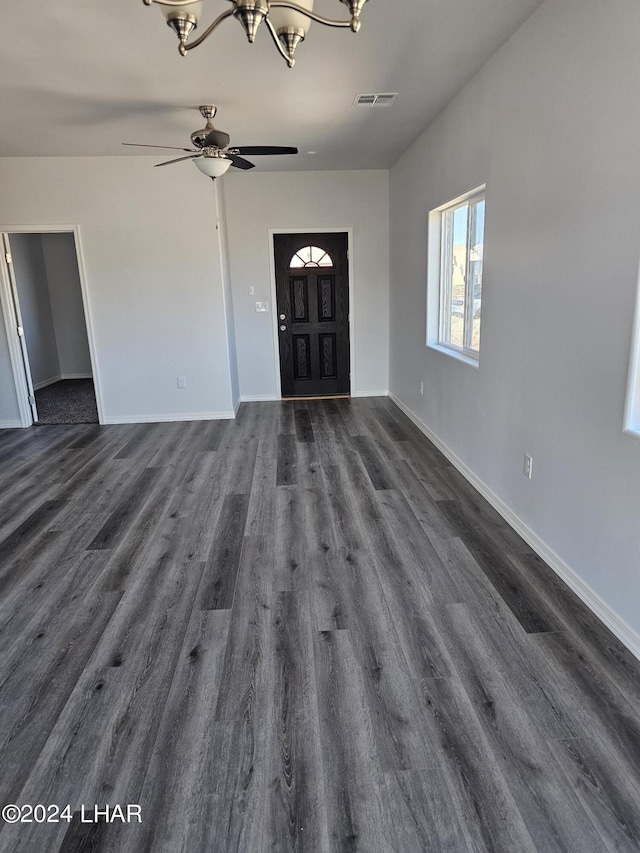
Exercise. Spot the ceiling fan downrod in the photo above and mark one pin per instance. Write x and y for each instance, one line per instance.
(286, 20)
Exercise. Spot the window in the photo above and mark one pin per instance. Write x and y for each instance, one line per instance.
(311, 256)
(632, 406)
(456, 243)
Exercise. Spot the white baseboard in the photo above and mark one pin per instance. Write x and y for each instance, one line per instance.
(370, 394)
(622, 630)
(10, 424)
(59, 378)
(52, 381)
(261, 398)
(164, 418)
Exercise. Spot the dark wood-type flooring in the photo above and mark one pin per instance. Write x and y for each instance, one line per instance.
(301, 630)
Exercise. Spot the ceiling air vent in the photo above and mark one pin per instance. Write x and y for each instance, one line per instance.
(376, 99)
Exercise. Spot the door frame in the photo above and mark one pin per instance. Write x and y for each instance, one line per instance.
(16, 316)
(6, 303)
(348, 230)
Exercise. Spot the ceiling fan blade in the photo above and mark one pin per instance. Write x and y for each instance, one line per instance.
(239, 162)
(217, 139)
(179, 159)
(170, 147)
(264, 149)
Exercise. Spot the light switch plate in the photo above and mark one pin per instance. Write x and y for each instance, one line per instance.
(262, 306)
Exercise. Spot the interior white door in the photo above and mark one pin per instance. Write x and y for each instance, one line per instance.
(20, 327)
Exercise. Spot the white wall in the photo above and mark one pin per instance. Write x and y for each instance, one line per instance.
(35, 307)
(310, 200)
(65, 295)
(552, 124)
(152, 270)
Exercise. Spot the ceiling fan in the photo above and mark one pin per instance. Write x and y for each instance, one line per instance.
(211, 153)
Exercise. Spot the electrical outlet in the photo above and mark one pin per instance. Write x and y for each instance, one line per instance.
(182, 381)
(422, 388)
(528, 466)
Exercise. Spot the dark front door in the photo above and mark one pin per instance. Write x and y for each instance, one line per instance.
(312, 287)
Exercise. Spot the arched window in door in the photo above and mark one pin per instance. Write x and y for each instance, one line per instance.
(311, 256)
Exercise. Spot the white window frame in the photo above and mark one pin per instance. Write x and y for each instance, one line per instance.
(631, 424)
(438, 296)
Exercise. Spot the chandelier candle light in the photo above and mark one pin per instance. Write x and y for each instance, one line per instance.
(288, 22)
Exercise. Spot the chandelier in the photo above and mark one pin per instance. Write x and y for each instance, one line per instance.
(287, 22)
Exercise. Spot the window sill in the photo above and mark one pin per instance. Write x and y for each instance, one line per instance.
(633, 432)
(472, 361)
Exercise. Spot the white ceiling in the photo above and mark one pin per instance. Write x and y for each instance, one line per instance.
(80, 78)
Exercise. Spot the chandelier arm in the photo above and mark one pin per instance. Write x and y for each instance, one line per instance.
(209, 30)
(289, 60)
(285, 4)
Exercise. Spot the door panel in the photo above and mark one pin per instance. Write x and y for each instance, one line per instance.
(300, 299)
(302, 360)
(326, 298)
(327, 350)
(313, 311)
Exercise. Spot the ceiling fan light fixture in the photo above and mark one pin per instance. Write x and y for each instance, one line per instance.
(212, 154)
(213, 167)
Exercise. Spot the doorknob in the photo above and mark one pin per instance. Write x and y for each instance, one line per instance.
(283, 316)
(283, 328)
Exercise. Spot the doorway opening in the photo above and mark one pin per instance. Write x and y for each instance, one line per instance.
(44, 308)
(312, 304)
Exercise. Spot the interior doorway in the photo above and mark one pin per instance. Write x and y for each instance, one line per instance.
(312, 296)
(44, 307)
